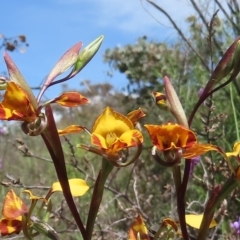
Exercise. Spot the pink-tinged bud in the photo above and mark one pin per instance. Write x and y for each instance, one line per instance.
(174, 104)
(64, 63)
(229, 64)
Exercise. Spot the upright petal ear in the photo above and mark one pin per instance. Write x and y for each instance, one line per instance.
(17, 77)
(135, 115)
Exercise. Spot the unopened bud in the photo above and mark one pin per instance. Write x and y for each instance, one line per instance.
(86, 55)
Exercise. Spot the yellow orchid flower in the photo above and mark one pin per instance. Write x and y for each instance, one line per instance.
(113, 132)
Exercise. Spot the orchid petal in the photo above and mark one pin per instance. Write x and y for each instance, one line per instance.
(111, 121)
(138, 230)
(13, 206)
(199, 149)
(78, 187)
(8, 227)
(168, 135)
(16, 104)
(71, 99)
(98, 140)
(70, 129)
(17, 77)
(130, 137)
(135, 115)
(236, 150)
(31, 196)
(196, 220)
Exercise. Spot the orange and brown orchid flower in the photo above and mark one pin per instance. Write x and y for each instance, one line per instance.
(111, 134)
(138, 229)
(12, 211)
(176, 142)
(16, 215)
(17, 105)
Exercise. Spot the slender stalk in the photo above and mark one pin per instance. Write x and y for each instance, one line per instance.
(234, 111)
(97, 195)
(206, 95)
(53, 144)
(216, 198)
(176, 170)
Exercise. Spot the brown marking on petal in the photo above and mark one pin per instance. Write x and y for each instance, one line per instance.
(13, 206)
(7, 225)
(3, 113)
(135, 115)
(171, 135)
(71, 99)
(96, 141)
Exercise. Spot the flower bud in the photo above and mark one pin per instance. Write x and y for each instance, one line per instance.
(174, 103)
(86, 55)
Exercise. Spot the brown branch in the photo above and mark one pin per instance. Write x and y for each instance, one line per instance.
(181, 34)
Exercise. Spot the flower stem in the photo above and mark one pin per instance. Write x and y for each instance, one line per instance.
(234, 112)
(51, 139)
(97, 196)
(218, 195)
(180, 200)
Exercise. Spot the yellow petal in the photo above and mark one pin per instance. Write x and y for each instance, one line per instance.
(99, 141)
(70, 129)
(138, 230)
(236, 150)
(111, 122)
(132, 138)
(78, 187)
(160, 99)
(16, 105)
(196, 220)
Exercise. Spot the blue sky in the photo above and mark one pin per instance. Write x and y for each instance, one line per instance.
(53, 26)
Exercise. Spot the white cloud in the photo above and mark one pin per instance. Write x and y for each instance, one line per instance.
(132, 15)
